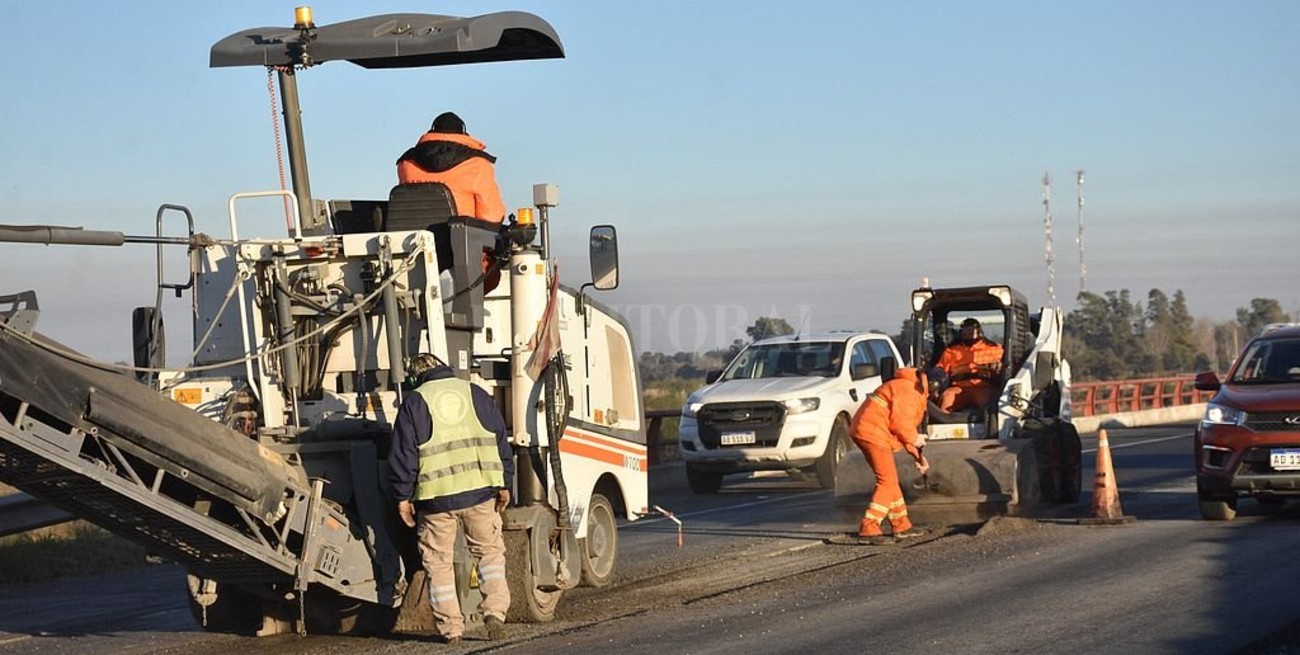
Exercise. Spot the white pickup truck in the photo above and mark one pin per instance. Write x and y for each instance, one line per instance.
(783, 404)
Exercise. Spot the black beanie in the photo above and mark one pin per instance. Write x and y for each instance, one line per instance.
(448, 122)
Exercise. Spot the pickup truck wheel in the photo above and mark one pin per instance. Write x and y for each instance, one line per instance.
(836, 448)
(703, 482)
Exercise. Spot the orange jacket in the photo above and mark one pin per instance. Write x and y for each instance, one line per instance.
(891, 415)
(460, 162)
(960, 361)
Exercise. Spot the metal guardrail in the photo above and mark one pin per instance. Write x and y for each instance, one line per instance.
(1116, 396)
(20, 512)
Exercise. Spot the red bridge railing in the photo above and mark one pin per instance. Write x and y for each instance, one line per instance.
(1087, 399)
(1114, 396)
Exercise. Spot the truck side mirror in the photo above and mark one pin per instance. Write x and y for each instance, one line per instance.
(604, 257)
(887, 367)
(864, 371)
(712, 376)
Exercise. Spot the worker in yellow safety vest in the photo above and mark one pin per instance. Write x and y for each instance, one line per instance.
(450, 464)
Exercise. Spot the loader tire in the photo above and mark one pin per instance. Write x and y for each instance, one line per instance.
(1071, 466)
(1059, 460)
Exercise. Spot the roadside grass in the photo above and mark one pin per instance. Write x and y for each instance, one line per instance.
(67, 551)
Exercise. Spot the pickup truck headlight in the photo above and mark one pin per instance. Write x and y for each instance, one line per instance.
(801, 405)
(689, 409)
(1222, 415)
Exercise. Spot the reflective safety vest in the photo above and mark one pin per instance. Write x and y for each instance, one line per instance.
(462, 455)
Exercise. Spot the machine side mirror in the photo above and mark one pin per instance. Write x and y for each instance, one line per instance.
(1207, 381)
(864, 371)
(712, 376)
(887, 367)
(604, 257)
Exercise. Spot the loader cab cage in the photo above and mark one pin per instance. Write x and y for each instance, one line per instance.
(937, 315)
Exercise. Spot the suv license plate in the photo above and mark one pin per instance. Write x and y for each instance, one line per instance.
(741, 438)
(1284, 459)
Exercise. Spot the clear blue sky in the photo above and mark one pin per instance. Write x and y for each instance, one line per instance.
(759, 158)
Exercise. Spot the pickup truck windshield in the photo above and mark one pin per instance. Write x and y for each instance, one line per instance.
(1269, 361)
(794, 359)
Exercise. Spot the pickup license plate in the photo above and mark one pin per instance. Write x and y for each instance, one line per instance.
(1284, 459)
(742, 438)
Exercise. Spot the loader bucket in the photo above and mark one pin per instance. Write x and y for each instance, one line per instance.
(980, 477)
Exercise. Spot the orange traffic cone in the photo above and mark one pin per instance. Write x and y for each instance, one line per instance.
(1105, 491)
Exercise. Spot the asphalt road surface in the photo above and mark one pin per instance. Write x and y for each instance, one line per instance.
(755, 574)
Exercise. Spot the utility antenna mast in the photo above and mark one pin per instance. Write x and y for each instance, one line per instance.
(1083, 266)
(1047, 227)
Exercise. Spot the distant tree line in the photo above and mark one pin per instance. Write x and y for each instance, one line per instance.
(1112, 337)
(1109, 336)
(690, 365)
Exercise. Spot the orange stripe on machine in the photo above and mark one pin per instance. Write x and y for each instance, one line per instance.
(603, 449)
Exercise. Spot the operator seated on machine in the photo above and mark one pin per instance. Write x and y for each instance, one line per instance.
(973, 364)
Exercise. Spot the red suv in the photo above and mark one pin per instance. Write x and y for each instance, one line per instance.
(1249, 439)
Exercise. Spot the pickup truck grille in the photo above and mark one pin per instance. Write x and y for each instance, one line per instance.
(1273, 421)
(764, 419)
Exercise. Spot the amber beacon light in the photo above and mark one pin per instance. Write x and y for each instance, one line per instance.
(302, 17)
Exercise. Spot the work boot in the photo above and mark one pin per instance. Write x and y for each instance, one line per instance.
(496, 628)
(909, 533)
(869, 528)
(451, 641)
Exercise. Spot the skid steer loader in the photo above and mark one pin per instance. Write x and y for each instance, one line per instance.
(1011, 456)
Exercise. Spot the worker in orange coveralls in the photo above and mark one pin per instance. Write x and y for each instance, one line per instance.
(447, 154)
(886, 423)
(971, 363)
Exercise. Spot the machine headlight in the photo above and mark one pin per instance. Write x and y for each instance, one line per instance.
(801, 405)
(1223, 415)
(689, 409)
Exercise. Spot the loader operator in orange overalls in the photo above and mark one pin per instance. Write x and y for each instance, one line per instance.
(971, 363)
(886, 423)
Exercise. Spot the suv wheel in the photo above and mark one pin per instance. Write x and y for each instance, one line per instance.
(1219, 510)
(703, 482)
(1216, 507)
(836, 448)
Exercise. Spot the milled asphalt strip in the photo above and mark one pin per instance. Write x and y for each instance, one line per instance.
(769, 501)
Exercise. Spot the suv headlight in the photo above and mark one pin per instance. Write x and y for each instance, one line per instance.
(801, 405)
(1223, 415)
(689, 409)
